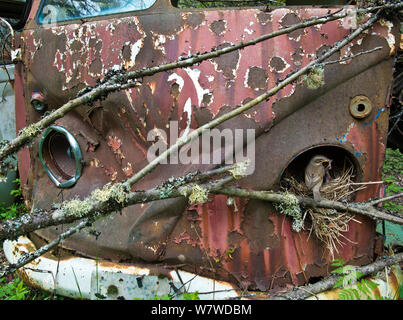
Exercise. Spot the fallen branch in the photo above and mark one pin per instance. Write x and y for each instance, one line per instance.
(110, 199)
(27, 258)
(134, 198)
(351, 56)
(301, 293)
(366, 209)
(395, 196)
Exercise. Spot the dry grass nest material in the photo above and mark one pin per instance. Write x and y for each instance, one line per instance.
(328, 225)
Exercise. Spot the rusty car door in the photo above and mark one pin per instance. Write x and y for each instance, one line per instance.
(63, 58)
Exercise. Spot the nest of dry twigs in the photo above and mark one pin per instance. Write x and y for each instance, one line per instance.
(328, 225)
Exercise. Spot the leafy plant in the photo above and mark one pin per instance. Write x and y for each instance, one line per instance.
(185, 296)
(393, 168)
(365, 289)
(230, 252)
(14, 290)
(191, 296)
(17, 209)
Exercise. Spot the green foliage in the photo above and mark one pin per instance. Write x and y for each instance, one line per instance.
(363, 291)
(350, 276)
(14, 211)
(14, 290)
(230, 252)
(185, 296)
(191, 296)
(393, 164)
(164, 297)
(17, 209)
(392, 169)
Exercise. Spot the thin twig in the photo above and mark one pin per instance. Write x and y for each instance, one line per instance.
(25, 259)
(375, 202)
(301, 293)
(362, 208)
(11, 31)
(351, 57)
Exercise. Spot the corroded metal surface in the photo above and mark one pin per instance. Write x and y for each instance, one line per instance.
(250, 245)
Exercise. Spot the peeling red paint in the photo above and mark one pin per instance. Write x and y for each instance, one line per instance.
(247, 242)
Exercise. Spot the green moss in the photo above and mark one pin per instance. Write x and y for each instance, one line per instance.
(184, 191)
(314, 79)
(198, 195)
(76, 207)
(240, 170)
(109, 192)
(166, 189)
(30, 131)
(290, 207)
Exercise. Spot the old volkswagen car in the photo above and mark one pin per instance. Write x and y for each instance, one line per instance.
(218, 248)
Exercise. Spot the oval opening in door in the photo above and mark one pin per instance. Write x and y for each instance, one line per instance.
(61, 157)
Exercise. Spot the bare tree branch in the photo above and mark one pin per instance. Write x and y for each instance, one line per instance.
(6, 270)
(301, 293)
(374, 202)
(366, 209)
(107, 200)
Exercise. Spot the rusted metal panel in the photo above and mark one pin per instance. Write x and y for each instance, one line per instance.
(252, 246)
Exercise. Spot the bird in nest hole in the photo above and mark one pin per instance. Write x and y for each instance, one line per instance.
(315, 172)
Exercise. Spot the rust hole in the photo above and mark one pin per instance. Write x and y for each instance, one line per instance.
(360, 107)
(112, 291)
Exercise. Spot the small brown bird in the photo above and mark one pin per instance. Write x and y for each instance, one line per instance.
(315, 171)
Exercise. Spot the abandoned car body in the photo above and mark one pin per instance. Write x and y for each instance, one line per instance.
(245, 244)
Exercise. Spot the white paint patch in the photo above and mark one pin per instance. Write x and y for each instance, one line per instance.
(391, 38)
(188, 110)
(349, 22)
(178, 79)
(129, 98)
(245, 82)
(194, 74)
(159, 40)
(110, 27)
(248, 31)
(134, 51)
